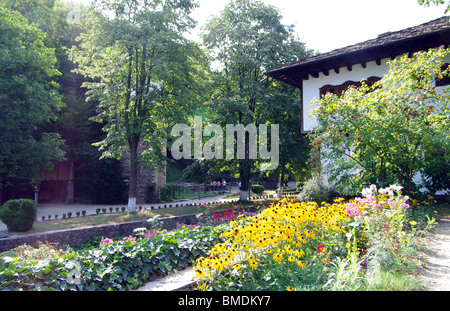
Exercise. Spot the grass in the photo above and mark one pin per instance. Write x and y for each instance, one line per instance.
(392, 281)
(113, 218)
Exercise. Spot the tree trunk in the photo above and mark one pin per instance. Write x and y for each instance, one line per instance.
(408, 181)
(280, 190)
(133, 143)
(244, 177)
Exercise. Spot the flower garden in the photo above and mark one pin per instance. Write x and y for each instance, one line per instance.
(305, 246)
(344, 245)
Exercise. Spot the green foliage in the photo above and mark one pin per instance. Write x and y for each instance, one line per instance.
(166, 192)
(258, 189)
(114, 265)
(434, 2)
(387, 132)
(246, 39)
(18, 215)
(29, 99)
(315, 190)
(143, 77)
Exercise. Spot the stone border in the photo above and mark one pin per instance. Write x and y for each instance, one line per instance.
(81, 235)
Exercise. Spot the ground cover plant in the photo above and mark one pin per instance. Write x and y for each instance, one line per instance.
(122, 264)
(308, 246)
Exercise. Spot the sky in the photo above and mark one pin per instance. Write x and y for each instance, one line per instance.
(325, 25)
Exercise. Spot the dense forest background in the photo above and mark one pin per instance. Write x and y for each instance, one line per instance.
(221, 79)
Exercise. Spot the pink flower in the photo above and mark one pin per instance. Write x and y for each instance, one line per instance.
(352, 210)
(107, 241)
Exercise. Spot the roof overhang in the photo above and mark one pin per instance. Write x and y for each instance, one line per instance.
(293, 74)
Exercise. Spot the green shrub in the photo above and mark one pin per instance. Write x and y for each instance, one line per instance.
(166, 192)
(18, 215)
(258, 189)
(314, 190)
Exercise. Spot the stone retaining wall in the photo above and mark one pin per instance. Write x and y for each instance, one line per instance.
(81, 235)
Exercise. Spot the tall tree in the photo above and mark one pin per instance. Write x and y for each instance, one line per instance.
(246, 40)
(142, 71)
(28, 99)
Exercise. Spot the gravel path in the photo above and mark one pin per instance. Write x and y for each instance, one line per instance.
(436, 274)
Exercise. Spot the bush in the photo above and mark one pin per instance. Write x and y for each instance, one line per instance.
(314, 190)
(166, 192)
(18, 215)
(258, 189)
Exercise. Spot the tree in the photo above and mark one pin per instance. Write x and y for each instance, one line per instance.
(434, 2)
(386, 132)
(29, 99)
(142, 71)
(246, 40)
(284, 108)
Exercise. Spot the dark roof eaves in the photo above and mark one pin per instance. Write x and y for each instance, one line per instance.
(363, 47)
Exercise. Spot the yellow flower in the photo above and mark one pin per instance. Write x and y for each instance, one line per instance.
(301, 264)
(289, 289)
(291, 258)
(253, 264)
(199, 274)
(300, 253)
(278, 257)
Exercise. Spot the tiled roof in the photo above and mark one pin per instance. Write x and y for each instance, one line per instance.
(391, 44)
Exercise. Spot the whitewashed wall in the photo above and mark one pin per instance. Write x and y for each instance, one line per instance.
(312, 85)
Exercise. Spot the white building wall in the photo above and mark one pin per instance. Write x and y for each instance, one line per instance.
(312, 85)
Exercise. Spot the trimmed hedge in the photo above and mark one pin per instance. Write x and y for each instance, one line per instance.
(258, 189)
(18, 215)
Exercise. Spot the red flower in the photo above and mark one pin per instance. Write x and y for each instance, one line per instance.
(320, 248)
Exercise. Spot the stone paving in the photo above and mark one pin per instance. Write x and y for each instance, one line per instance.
(181, 280)
(53, 209)
(60, 209)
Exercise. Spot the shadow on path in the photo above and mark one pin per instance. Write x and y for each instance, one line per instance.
(435, 276)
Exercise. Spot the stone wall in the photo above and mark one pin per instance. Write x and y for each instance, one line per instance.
(81, 235)
(146, 175)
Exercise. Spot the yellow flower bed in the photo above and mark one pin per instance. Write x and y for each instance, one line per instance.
(287, 233)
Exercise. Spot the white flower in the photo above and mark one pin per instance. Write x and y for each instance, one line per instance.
(396, 188)
(366, 192)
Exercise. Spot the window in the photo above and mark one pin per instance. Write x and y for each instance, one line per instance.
(446, 79)
(340, 89)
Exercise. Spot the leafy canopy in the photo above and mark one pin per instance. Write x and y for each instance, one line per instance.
(385, 132)
(29, 99)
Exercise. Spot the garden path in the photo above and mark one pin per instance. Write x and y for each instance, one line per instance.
(435, 276)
